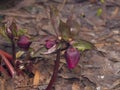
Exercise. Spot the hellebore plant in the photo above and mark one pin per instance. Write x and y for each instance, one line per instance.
(62, 41)
(10, 32)
(17, 38)
(72, 48)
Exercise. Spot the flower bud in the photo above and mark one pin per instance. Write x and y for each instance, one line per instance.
(9, 33)
(24, 42)
(50, 43)
(72, 56)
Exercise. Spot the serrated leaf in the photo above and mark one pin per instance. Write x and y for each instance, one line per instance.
(64, 30)
(83, 45)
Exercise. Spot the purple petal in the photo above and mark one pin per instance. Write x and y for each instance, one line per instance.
(50, 43)
(72, 56)
(24, 42)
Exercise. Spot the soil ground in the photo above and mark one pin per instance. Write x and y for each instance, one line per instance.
(94, 71)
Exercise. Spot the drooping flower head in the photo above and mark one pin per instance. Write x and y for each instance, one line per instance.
(24, 42)
(50, 43)
(72, 56)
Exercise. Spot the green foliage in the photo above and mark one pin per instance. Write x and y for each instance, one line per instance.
(64, 30)
(102, 1)
(19, 32)
(22, 32)
(83, 45)
(99, 12)
(3, 33)
(53, 11)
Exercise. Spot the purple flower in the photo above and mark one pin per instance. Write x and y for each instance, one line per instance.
(72, 56)
(24, 42)
(50, 43)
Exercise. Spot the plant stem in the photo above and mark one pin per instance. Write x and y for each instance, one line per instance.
(55, 72)
(7, 55)
(8, 64)
(13, 52)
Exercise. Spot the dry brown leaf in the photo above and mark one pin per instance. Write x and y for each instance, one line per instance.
(25, 3)
(99, 45)
(115, 12)
(88, 88)
(36, 79)
(75, 86)
(2, 81)
(115, 84)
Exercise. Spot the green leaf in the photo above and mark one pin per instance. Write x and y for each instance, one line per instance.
(74, 27)
(53, 11)
(83, 45)
(102, 1)
(21, 32)
(3, 33)
(19, 54)
(64, 30)
(99, 12)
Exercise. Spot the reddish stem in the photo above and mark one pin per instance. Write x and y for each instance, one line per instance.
(9, 65)
(7, 55)
(13, 52)
(55, 72)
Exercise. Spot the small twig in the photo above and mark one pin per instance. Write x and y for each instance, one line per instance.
(55, 72)
(8, 56)
(63, 4)
(105, 16)
(8, 64)
(24, 86)
(17, 15)
(13, 52)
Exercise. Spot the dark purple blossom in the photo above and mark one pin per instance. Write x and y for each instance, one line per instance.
(72, 56)
(50, 43)
(24, 42)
